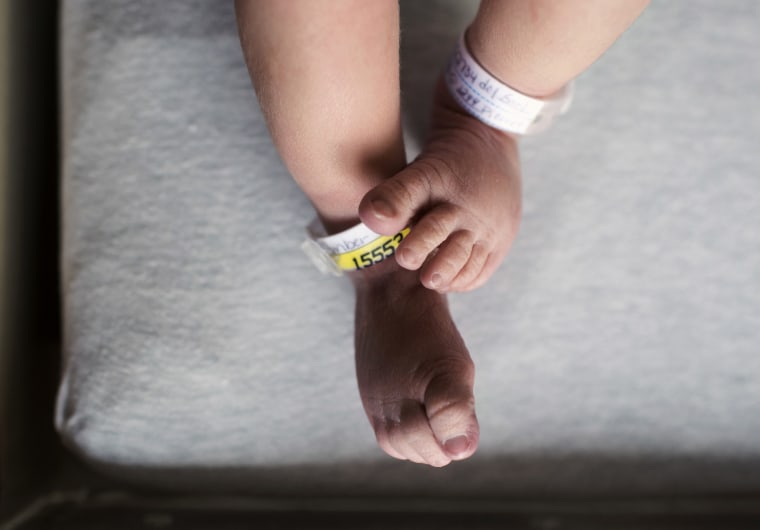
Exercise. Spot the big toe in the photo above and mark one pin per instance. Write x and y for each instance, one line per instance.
(450, 407)
(389, 207)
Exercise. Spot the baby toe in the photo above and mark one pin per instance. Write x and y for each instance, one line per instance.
(430, 232)
(389, 207)
(452, 256)
(383, 436)
(450, 407)
(465, 280)
(420, 437)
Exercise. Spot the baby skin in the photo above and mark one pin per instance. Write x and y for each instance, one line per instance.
(415, 375)
(331, 101)
(462, 197)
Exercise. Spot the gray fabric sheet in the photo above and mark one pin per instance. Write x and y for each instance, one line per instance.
(617, 348)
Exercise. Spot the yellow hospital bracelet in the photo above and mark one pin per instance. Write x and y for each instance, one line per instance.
(354, 249)
(370, 254)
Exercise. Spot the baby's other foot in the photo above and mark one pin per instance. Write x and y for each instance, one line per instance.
(462, 195)
(414, 373)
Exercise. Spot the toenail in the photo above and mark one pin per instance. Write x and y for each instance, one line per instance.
(382, 209)
(435, 281)
(457, 446)
(406, 255)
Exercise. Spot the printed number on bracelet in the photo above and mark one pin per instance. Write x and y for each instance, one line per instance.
(380, 252)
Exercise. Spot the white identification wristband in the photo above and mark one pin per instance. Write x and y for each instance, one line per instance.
(496, 104)
(351, 250)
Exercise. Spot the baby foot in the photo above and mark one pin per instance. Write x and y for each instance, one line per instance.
(414, 373)
(462, 195)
